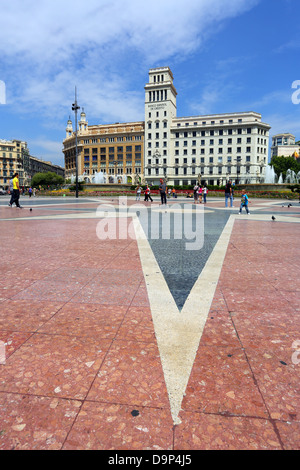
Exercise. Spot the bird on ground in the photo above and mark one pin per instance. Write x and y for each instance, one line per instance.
(273, 218)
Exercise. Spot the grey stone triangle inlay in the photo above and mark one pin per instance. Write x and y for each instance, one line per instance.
(181, 268)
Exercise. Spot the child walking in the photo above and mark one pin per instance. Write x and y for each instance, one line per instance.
(244, 202)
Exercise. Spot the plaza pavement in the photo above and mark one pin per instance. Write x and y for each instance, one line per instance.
(99, 353)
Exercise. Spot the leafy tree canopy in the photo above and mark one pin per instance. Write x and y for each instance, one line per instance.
(46, 179)
(282, 164)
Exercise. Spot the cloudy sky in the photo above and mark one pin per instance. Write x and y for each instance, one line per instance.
(225, 55)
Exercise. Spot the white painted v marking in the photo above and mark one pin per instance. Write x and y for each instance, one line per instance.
(178, 333)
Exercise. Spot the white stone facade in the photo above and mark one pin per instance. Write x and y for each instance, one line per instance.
(283, 145)
(210, 148)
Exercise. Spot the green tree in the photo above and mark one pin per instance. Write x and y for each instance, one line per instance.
(46, 179)
(282, 164)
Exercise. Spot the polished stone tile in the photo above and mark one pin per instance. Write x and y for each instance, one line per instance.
(53, 291)
(289, 435)
(54, 365)
(201, 431)
(105, 294)
(12, 341)
(131, 374)
(137, 325)
(104, 426)
(221, 381)
(29, 315)
(91, 320)
(35, 423)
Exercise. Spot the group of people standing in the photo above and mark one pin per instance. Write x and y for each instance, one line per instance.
(200, 192)
(162, 190)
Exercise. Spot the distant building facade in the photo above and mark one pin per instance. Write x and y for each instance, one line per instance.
(284, 145)
(15, 158)
(183, 150)
(11, 160)
(113, 149)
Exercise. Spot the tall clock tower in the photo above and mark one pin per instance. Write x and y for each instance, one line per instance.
(160, 110)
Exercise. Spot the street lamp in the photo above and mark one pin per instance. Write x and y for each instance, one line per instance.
(75, 108)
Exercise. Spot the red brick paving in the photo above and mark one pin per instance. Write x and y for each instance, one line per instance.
(82, 353)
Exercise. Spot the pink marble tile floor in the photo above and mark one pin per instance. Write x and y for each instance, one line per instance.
(83, 369)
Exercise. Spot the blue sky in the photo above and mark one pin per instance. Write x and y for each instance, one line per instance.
(225, 55)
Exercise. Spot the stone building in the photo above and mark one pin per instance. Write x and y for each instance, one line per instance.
(15, 157)
(284, 145)
(210, 148)
(113, 149)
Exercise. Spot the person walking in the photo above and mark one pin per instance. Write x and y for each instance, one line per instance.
(138, 193)
(16, 191)
(147, 194)
(228, 194)
(244, 202)
(205, 191)
(200, 191)
(30, 191)
(196, 189)
(163, 190)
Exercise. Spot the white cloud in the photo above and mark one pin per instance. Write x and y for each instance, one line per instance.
(49, 46)
(287, 123)
(46, 149)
